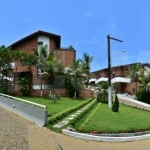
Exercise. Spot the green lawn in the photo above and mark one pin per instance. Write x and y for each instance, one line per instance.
(101, 117)
(127, 119)
(55, 108)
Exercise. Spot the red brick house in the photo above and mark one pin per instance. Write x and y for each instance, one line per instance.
(32, 41)
(119, 81)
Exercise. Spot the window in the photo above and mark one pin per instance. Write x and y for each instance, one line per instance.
(40, 43)
(133, 90)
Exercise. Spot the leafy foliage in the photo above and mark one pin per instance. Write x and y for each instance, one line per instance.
(115, 106)
(24, 85)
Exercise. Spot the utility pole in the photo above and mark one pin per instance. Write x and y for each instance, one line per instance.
(109, 70)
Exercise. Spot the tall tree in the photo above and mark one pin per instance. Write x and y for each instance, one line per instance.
(87, 59)
(5, 65)
(49, 64)
(75, 71)
(145, 81)
(41, 57)
(17, 56)
(134, 72)
(53, 68)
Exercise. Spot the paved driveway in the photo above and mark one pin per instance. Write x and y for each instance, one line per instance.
(17, 133)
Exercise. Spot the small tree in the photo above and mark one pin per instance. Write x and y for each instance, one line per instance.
(115, 106)
(101, 93)
(24, 85)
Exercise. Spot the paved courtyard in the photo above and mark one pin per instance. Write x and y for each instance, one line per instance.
(17, 133)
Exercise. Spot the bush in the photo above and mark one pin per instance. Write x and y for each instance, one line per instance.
(139, 94)
(145, 97)
(66, 112)
(78, 117)
(115, 106)
(53, 96)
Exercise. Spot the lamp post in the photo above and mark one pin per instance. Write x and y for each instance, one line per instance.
(118, 54)
(109, 70)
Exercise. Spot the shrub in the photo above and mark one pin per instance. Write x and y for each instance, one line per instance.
(115, 106)
(54, 96)
(145, 97)
(67, 112)
(78, 117)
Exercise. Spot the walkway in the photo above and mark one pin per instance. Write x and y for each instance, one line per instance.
(17, 133)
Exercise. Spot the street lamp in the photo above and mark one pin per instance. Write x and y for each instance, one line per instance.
(109, 70)
(118, 54)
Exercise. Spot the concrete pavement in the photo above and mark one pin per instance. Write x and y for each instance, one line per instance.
(17, 133)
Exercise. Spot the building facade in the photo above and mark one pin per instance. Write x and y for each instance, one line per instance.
(34, 41)
(119, 81)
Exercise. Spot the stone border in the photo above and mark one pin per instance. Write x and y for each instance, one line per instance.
(104, 138)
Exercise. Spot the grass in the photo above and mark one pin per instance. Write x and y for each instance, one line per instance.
(54, 108)
(104, 120)
(100, 118)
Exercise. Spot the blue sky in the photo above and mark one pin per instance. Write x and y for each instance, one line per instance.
(84, 24)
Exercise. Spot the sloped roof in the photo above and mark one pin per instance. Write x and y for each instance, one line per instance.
(55, 36)
(124, 66)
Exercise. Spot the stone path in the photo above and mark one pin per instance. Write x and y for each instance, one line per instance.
(17, 133)
(72, 116)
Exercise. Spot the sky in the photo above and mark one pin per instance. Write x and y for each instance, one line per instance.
(84, 24)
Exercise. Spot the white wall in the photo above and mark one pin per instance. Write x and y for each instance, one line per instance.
(45, 40)
(146, 68)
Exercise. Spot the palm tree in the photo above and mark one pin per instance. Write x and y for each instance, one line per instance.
(145, 81)
(75, 71)
(17, 55)
(41, 57)
(5, 64)
(53, 68)
(49, 64)
(86, 65)
(28, 60)
(135, 72)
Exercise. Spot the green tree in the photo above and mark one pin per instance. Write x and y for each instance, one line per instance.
(24, 84)
(145, 81)
(101, 92)
(115, 106)
(49, 64)
(5, 65)
(75, 71)
(17, 56)
(135, 72)
(87, 59)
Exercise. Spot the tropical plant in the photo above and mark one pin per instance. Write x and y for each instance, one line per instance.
(28, 60)
(115, 106)
(5, 65)
(17, 56)
(24, 84)
(101, 92)
(135, 72)
(145, 81)
(75, 71)
(49, 65)
(87, 59)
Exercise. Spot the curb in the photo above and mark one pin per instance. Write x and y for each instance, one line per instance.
(104, 138)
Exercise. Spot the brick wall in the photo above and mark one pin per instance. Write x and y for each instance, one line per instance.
(66, 56)
(63, 92)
